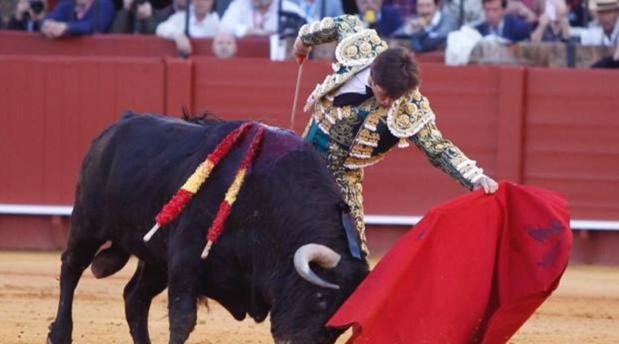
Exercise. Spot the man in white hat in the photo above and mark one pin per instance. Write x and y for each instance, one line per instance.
(607, 33)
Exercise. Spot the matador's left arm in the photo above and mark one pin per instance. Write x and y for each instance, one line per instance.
(444, 154)
(411, 117)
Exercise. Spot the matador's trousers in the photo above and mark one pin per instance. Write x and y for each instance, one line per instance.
(350, 183)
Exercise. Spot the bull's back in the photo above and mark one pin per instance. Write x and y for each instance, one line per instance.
(140, 160)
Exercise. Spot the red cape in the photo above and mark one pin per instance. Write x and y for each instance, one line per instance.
(472, 271)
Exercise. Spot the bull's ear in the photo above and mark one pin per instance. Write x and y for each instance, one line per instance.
(352, 236)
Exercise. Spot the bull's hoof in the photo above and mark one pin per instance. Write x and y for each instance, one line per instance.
(57, 335)
(57, 341)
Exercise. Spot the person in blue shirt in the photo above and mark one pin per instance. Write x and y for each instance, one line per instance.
(318, 9)
(79, 17)
(28, 15)
(384, 18)
(509, 27)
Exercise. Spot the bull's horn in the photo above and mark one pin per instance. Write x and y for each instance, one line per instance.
(319, 254)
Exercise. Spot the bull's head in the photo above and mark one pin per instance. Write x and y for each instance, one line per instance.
(313, 269)
(323, 256)
(324, 279)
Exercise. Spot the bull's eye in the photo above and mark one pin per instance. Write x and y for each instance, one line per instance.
(322, 305)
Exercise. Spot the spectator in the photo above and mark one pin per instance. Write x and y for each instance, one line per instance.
(553, 25)
(473, 12)
(221, 6)
(606, 34)
(28, 15)
(79, 17)
(507, 27)
(256, 17)
(203, 22)
(610, 61)
(385, 19)
(529, 10)
(314, 9)
(577, 12)
(407, 8)
(430, 27)
(138, 16)
(224, 45)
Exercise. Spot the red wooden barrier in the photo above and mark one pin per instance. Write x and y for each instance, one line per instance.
(571, 138)
(114, 45)
(517, 123)
(53, 107)
(554, 128)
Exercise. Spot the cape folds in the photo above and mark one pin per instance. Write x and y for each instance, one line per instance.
(472, 271)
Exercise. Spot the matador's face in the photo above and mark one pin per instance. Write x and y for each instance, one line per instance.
(380, 94)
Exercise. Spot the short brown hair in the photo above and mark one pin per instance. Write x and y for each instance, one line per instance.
(503, 2)
(395, 71)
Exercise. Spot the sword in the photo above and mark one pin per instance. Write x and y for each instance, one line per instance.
(296, 92)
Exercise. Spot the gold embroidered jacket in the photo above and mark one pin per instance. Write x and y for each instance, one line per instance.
(367, 131)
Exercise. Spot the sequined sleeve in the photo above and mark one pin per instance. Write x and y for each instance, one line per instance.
(445, 155)
(329, 29)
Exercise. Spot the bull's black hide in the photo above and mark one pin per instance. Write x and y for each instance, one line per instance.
(288, 200)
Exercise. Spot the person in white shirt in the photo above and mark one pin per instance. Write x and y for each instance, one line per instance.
(607, 33)
(256, 17)
(203, 22)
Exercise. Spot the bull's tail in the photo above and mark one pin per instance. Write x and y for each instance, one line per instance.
(109, 261)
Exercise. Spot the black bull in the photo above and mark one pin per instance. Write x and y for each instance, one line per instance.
(288, 201)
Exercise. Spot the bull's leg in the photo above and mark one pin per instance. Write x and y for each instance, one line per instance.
(146, 283)
(183, 275)
(75, 259)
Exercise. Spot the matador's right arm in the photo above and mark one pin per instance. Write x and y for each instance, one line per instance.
(329, 30)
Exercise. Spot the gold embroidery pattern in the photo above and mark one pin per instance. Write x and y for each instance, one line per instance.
(349, 133)
(354, 163)
(336, 157)
(344, 131)
(355, 51)
(329, 29)
(350, 183)
(445, 155)
(359, 151)
(368, 138)
(409, 114)
(360, 49)
(371, 121)
(320, 116)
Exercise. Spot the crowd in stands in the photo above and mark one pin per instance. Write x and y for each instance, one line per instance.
(425, 24)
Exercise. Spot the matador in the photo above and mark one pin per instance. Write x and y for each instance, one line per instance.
(369, 105)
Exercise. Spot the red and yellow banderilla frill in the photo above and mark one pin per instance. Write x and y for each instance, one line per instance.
(226, 205)
(174, 207)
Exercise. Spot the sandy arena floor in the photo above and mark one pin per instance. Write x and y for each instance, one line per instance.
(585, 308)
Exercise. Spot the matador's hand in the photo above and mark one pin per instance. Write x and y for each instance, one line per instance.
(487, 183)
(300, 50)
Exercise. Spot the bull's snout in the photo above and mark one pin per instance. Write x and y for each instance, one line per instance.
(319, 254)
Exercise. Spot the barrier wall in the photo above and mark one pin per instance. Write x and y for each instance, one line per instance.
(552, 128)
(115, 45)
(572, 140)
